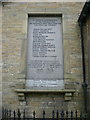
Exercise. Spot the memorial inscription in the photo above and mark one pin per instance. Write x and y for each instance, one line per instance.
(45, 55)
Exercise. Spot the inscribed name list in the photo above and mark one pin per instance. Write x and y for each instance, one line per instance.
(45, 54)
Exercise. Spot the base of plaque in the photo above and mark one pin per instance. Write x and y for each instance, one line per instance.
(45, 84)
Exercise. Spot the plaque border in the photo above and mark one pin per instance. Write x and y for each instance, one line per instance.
(23, 67)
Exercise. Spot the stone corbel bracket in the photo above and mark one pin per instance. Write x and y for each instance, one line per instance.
(68, 93)
(21, 96)
(68, 96)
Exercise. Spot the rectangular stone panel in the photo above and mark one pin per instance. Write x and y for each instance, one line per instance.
(45, 53)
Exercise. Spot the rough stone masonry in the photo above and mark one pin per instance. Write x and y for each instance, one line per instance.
(14, 54)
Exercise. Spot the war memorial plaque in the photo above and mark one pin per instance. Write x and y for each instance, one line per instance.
(45, 53)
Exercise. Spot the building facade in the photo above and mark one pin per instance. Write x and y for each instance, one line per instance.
(16, 91)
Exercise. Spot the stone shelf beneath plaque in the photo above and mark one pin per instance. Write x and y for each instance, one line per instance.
(42, 91)
(68, 93)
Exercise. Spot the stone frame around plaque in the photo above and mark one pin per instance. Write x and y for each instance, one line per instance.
(24, 45)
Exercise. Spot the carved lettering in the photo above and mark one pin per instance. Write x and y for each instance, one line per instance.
(45, 53)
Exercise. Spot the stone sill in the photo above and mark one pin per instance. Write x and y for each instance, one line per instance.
(43, 91)
(68, 93)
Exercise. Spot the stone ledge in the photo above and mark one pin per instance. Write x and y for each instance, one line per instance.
(42, 91)
(68, 93)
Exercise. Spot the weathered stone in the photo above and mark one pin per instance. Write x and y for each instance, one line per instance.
(14, 52)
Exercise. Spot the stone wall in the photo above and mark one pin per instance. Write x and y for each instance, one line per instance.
(14, 29)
